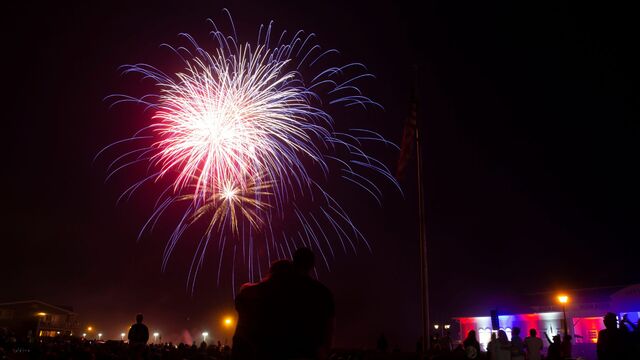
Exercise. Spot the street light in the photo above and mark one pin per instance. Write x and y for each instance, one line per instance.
(204, 336)
(564, 299)
(84, 335)
(228, 321)
(122, 336)
(99, 336)
(155, 337)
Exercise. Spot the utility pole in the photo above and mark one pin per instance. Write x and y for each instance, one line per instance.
(424, 269)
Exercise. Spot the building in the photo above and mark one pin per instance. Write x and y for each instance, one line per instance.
(584, 309)
(33, 318)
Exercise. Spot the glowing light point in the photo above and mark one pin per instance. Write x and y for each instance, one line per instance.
(228, 321)
(229, 193)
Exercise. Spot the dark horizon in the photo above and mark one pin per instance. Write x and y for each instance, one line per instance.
(530, 118)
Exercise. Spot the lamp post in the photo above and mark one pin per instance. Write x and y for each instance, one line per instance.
(155, 337)
(564, 299)
(204, 336)
(99, 336)
(41, 316)
(122, 336)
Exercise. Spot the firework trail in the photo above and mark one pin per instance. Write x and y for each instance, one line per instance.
(240, 134)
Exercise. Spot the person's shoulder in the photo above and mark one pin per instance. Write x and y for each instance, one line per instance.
(246, 286)
(315, 284)
(247, 290)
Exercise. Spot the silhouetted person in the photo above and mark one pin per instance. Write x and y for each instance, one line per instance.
(492, 347)
(471, 345)
(138, 333)
(446, 344)
(633, 336)
(555, 348)
(243, 341)
(612, 343)
(259, 330)
(313, 309)
(382, 344)
(503, 348)
(138, 337)
(533, 345)
(517, 345)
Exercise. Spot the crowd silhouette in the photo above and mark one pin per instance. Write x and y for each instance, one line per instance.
(289, 315)
(286, 315)
(620, 340)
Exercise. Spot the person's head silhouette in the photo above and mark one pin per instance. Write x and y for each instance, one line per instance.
(280, 268)
(139, 318)
(471, 335)
(610, 321)
(502, 336)
(304, 260)
(516, 331)
(533, 332)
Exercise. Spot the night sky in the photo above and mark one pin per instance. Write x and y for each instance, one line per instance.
(530, 116)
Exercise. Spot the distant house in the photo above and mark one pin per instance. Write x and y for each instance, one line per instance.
(33, 318)
(584, 311)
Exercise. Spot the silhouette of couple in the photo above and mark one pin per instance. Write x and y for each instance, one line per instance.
(287, 315)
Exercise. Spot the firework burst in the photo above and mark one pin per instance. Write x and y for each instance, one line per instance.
(237, 131)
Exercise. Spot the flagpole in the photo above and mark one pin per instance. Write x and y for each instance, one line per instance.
(424, 271)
